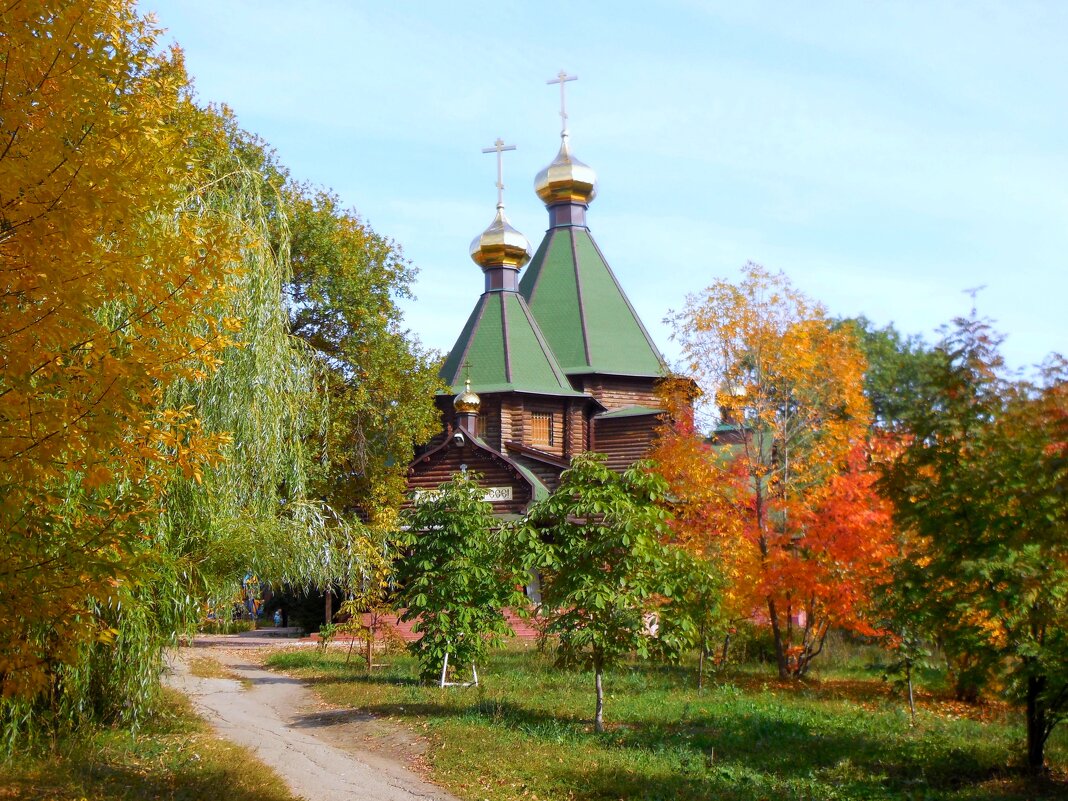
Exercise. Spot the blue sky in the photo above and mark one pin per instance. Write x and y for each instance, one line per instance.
(886, 156)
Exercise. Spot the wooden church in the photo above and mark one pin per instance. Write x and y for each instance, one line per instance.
(551, 363)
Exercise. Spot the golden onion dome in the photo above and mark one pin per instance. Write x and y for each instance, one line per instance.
(500, 245)
(566, 179)
(467, 402)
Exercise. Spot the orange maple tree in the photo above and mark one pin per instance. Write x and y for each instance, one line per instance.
(707, 487)
(839, 550)
(782, 492)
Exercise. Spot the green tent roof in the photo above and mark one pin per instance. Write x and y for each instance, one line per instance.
(504, 351)
(583, 311)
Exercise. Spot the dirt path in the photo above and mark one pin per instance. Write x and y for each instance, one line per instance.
(321, 751)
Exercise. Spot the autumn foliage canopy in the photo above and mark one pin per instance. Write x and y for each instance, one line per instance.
(108, 283)
(782, 496)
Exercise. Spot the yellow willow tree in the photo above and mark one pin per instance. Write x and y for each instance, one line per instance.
(108, 275)
(790, 388)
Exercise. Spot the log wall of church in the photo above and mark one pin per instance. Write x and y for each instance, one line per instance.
(429, 473)
(624, 441)
(555, 409)
(489, 420)
(615, 392)
(512, 419)
(576, 430)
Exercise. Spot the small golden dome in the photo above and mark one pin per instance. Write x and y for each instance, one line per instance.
(500, 245)
(467, 402)
(566, 179)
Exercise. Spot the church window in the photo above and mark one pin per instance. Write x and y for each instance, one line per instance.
(541, 429)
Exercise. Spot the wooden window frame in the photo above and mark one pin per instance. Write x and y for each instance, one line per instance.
(549, 440)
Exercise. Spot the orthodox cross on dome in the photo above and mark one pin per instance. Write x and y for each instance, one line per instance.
(562, 78)
(499, 147)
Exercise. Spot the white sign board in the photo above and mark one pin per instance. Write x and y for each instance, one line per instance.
(490, 494)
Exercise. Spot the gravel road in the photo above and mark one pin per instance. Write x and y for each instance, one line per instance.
(321, 751)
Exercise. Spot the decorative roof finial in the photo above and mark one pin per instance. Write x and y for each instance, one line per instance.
(499, 147)
(566, 179)
(500, 245)
(562, 78)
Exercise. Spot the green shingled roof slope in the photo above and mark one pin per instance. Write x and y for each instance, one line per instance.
(583, 311)
(502, 350)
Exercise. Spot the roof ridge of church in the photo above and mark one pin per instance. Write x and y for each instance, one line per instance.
(540, 335)
(581, 302)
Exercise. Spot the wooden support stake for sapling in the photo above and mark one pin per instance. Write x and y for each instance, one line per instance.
(912, 702)
(444, 667)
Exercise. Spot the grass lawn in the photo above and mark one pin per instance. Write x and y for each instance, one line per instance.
(527, 733)
(174, 757)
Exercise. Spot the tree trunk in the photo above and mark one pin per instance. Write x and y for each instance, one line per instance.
(598, 718)
(369, 638)
(1036, 724)
(329, 610)
(348, 654)
(725, 652)
(912, 700)
(780, 645)
(812, 647)
(701, 661)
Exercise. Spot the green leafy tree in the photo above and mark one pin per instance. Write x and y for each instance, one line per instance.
(324, 395)
(596, 543)
(455, 579)
(370, 593)
(380, 383)
(896, 370)
(696, 614)
(899, 368)
(980, 486)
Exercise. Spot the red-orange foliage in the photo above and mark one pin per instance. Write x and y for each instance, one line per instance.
(839, 550)
(818, 571)
(785, 502)
(708, 489)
